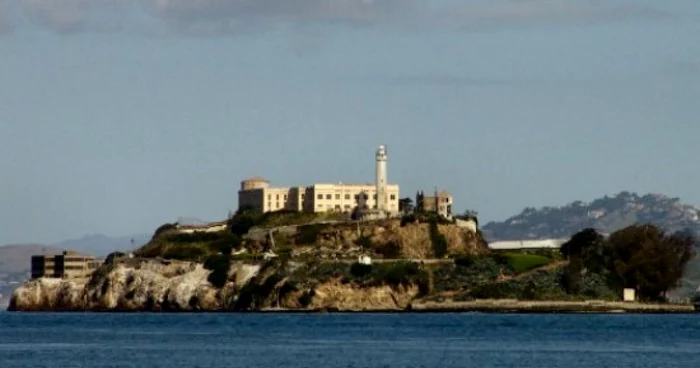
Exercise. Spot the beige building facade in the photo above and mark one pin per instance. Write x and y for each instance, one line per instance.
(67, 265)
(440, 202)
(257, 194)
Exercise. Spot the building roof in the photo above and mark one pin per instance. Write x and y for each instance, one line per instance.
(256, 178)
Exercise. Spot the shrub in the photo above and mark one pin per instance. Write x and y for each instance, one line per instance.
(408, 219)
(308, 234)
(225, 243)
(395, 274)
(466, 260)
(468, 272)
(185, 252)
(360, 270)
(243, 221)
(219, 266)
(438, 240)
(114, 256)
(391, 250)
(163, 228)
(541, 285)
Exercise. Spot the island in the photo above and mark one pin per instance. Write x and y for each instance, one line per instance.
(361, 247)
(422, 262)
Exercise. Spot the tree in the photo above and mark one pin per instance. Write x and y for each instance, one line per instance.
(243, 220)
(644, 257)
(587, 248)
(114, 256)
(406, 205)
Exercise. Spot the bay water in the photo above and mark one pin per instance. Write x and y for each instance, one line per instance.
(71, 340)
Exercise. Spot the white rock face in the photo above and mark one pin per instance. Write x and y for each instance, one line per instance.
(467, 224)
(148, 285)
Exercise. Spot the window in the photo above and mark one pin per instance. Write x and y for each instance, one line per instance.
(269, 196)
(337, 196)
(320, 196)
(328, 196)
(303, 196)
(375, 197)
(347, 196)
(285, 197)
(337, 207)
(269, 204)
(393, 197)
(347, 206)
(278, 205)
(320, 206)
(357, 196)
(277, 197)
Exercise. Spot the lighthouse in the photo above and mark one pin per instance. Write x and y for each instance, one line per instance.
(382, 200)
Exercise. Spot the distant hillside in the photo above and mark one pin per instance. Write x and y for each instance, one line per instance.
(14, 259)
(102, 245)
(606, 215)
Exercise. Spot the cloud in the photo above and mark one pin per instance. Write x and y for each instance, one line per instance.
(524, 12)
(6, 16)
(59, 15)
(232, 16)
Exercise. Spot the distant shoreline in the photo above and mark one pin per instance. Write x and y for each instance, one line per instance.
(494, 306)
(508, 306)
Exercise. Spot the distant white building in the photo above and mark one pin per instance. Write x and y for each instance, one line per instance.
(257, 194)
(527, 244)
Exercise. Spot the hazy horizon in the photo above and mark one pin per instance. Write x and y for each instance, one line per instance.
(119, 116)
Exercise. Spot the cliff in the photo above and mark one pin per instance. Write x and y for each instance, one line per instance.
(151, 285)
(313, 267)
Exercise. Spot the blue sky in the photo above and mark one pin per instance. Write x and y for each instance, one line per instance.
(119, 115)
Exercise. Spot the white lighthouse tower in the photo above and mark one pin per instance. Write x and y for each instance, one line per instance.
(382, 200)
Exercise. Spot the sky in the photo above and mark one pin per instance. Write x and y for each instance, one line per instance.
(117, 116)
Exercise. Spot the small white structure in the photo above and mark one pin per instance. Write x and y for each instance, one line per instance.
(527, 244)
(364, 260)
(628, 295)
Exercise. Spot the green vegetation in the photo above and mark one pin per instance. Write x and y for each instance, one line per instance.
(438, 240)
(523, 262)
(245, 219)
(112, 257)
(394, 274)
(308, 234)
(642, 257)
(219, 265)
(189, 247)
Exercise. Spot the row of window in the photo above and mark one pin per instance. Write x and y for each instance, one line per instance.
(357, 196)
(269, 197)
(329, 196)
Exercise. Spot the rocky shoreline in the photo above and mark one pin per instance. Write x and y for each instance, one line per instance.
(171, 287)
